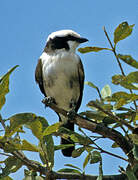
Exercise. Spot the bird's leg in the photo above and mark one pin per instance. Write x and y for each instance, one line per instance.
(48, 100)
(72, 113)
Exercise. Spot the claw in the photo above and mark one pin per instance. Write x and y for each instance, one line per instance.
(48, 100)
(71, 114)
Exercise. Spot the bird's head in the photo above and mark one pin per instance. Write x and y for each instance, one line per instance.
(64, 39)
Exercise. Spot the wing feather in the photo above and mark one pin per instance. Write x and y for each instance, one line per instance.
(39, 76)
(81, 76)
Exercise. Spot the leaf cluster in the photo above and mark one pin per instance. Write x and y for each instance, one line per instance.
(112, 110)
(118, 109)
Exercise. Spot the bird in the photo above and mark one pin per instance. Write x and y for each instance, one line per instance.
(60, 75)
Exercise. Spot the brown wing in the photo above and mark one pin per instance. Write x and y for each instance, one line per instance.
(81, 76)
(39, 76)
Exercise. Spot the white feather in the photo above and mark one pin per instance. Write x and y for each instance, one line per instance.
(61, 67)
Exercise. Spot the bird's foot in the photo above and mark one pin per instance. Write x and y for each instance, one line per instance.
(48, 100)
(71, 114)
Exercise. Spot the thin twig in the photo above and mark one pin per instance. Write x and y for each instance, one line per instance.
(99, 93)
(109, 153)
(102, 150)
(116, 118)
(60, 175)
(113, 49)
(126, 133)
(2, 122)
(122, 71)
(4, 154)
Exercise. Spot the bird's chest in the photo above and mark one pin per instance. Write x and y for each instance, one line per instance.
(59, 68)
(61, 79)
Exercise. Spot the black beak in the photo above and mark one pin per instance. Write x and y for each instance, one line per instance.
(82, 40)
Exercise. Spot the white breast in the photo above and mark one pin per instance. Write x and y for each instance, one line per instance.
(58, 71)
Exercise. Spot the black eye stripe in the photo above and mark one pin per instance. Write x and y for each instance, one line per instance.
(58, 43)
(61, 42)
(71, 38)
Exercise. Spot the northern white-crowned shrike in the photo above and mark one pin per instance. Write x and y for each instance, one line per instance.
(60, 75)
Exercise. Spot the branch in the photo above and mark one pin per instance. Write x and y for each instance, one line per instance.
(113, 49)
(84, 123)
(4, 154)
(116, 118)
(101, 129)
(109, 153)
(2, 122)
(59, 175)
(122, 71)
(87, 177)
(102, 150)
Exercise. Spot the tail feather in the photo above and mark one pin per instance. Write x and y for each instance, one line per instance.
(68, 151)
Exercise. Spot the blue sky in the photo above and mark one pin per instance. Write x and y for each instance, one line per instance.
(25, 26)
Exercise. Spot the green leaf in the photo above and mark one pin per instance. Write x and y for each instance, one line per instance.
(106, 91)
(95, 157)
(78, 152)
(39, 178)
(91, 49)
(75, 167)
(93, 115)
(92, 104)
(24, 145)
(77, 138)
(117, 79)
(132, 77)
(69, 170)
(128, 60)
(108, 121)
(130, 174)
(123, 95)
(136, 118)
(121, 98)
(91, 84)
(89, 148)
(52, 129)
(62, 146)
(114, 145)
(120, 103)
(97, 116)
(17, 120)
(135, 151)
(4, 86)
(122, 31)
(100, 177)
(12, 164)
(31, 175)
(126, 81)
(47, 144)
(7, 178)
(86, 160)
(36, 128)
(135, 168)
(134, 138)
(28, 146)
(27, 178)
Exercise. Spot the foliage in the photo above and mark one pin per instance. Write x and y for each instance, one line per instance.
(112, 110)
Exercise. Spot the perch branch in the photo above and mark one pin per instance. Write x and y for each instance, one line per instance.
(101, 129)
